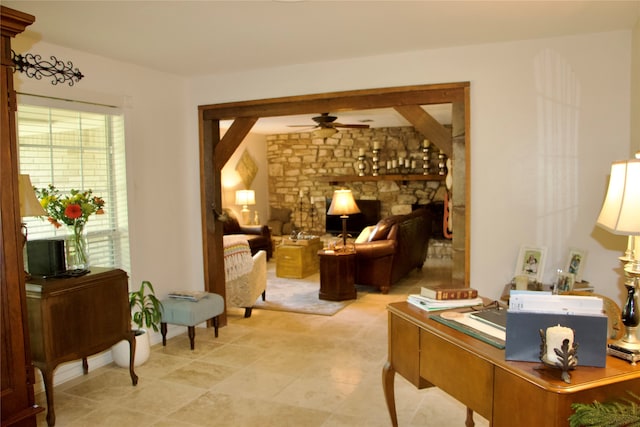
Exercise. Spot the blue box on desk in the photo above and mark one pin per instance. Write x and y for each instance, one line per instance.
(523, 336)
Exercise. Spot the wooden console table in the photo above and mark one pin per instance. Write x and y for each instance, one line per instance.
(507, 393)
(73, 318)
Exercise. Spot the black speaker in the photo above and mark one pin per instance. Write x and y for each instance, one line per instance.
(45, 257)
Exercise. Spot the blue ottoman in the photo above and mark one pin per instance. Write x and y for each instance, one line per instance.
(188, 313)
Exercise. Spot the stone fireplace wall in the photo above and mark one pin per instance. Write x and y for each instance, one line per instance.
(298, 162)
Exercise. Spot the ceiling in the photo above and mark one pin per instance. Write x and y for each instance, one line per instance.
(191, 38)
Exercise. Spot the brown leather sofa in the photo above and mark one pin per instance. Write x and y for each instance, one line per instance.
(258, 236)
(396, 245)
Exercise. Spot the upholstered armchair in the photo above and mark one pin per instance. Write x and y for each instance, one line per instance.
(245, 274)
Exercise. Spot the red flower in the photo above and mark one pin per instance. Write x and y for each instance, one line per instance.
(73, 211)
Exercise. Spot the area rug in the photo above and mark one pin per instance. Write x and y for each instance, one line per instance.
(297, 295)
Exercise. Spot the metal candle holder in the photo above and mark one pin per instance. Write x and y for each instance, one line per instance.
(376, 162)
(426, 159)
(361, 165)
(567, 357)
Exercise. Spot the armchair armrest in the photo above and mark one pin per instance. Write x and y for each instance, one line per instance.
(376, 249)
(259, 230)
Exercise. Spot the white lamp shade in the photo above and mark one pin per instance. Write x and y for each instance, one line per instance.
(245, 197)
(29, 204)
(343, 203)
(620, 212)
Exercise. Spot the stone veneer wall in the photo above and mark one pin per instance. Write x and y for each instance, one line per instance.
(296, 161)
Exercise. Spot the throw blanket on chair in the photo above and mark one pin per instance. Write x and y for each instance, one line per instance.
(237, 257)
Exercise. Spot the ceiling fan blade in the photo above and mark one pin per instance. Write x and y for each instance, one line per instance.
(350, 126)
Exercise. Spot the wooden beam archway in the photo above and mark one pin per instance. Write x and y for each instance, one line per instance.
(215, 151)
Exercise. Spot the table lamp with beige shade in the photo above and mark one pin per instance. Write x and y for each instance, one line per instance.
(343, 204)
(29, 206)
(620, 214)
(245, 198)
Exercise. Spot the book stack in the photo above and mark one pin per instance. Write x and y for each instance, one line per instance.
(444, 298)
(193, 296)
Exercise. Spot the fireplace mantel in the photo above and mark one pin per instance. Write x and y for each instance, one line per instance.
(389, 177)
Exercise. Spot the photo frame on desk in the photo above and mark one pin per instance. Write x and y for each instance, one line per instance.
(576, 261)
(531, 262)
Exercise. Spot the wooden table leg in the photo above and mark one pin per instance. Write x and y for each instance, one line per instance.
(85, 366)
(469, 421)
(47, 378)
(388, 376)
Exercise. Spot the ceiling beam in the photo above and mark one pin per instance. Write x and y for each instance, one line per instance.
(427, 126)
(238, 130)
(337, 101)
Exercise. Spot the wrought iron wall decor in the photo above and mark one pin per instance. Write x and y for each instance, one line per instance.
(34, 67)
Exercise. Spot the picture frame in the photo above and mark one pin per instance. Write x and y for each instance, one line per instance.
(576, 260)
(564, 282)
(531, 262)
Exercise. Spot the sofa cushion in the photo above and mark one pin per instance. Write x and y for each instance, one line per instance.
(280, 214)
(275, 226)
(383, 227)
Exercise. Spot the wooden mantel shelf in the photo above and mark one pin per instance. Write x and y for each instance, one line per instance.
(389, 177)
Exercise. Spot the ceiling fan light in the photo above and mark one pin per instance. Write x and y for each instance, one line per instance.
(324, 133)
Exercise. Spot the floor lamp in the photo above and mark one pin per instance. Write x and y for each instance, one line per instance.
(620, 214)
(344, 205)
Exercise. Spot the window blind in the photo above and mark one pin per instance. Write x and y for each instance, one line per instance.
(75, 145)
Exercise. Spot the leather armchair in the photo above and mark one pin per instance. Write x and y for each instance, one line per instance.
(397, 245)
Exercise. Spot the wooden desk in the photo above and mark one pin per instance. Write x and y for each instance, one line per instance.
(507, 393)
(73, 318)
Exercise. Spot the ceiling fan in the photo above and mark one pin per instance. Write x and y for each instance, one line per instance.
(326, 125)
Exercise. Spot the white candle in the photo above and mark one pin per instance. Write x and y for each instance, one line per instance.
(361, 151)
(388, 164)
(407, 162)
(376, 145)
(555, 336)
(413, 164)
(394, 163)
(425, 143)
(301, 194)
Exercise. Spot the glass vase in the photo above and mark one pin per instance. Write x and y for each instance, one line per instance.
(76, 248)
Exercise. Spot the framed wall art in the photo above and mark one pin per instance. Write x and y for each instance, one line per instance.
(575, 263)
(531, 262)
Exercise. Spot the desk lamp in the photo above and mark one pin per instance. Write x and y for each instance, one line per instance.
(245, 198)
(620, 214)
(344, 205)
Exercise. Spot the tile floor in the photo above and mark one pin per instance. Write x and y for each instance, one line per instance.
(273, 369)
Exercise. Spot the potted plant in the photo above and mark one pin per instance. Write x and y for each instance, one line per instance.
(146, 311)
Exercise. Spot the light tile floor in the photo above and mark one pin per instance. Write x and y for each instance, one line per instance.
(273, 369)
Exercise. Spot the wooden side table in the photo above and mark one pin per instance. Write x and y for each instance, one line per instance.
(337, 275)
(73, 318)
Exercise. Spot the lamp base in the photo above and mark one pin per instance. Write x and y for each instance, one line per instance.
(630, 340)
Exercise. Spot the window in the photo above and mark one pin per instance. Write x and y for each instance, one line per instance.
(80, 146)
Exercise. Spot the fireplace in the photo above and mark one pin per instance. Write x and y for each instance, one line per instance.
(369, 215)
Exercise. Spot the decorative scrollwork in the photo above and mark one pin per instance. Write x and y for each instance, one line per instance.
(34, 67)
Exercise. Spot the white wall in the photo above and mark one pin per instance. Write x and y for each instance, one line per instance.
(547, 119)
(160, 227)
